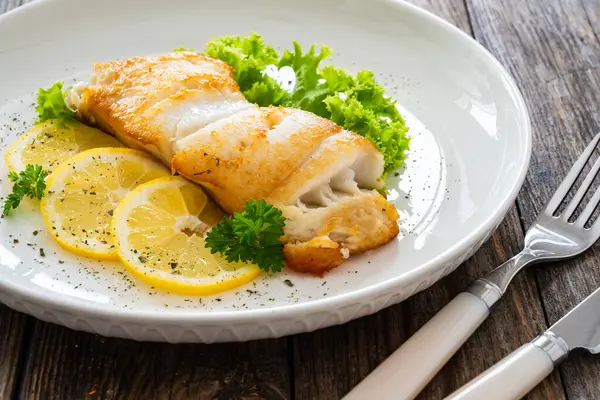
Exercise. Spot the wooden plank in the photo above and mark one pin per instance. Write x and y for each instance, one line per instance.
(330, 362)
(453, 11)
(552, 49)
(7, 5)
(13, 329)
(64, 364)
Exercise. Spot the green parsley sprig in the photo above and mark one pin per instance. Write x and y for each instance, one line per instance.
(51, 105)
(251, 236)
(28, 183)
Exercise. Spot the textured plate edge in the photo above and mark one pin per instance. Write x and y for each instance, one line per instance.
(233, 332)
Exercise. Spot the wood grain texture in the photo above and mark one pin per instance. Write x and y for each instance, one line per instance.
(329, 363)
(13, 331)
(64, 364)
(453, 11)
(7, 5)
(553, 51)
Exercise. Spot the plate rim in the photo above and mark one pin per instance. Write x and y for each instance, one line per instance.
(290, 311)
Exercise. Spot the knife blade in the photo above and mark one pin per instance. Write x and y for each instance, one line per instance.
(580, 327)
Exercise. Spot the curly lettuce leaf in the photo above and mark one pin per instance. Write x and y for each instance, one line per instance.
(308, 93)
(51, 105)
(359, 104)
(249, 57)
(356, 102)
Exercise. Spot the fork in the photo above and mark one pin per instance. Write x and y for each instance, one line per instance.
(553, 236)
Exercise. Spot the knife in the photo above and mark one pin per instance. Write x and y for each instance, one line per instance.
(521, 371)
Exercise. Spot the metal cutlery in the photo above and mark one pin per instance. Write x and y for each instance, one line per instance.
(551, 237)
(513, 377)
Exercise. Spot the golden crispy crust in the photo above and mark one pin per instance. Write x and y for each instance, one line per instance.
(255, 165)
(315, 257)
(363, 223)
(124, 89)
(357, 224)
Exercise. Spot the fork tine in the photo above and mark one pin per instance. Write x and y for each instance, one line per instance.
(571, 177)
(585, 185)
(589, 209)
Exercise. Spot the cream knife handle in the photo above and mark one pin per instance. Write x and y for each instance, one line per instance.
(511, 378)
(408, 370)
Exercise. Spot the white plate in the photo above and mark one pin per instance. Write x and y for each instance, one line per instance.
(470, 152)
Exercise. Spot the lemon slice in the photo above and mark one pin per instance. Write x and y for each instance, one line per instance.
(48, 145)
(82, 193)
(159, 229)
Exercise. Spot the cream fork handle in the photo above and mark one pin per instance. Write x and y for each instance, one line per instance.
(406, 372)
(511, 378)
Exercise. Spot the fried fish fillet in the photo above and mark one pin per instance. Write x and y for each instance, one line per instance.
(187, 110)
(149, 102)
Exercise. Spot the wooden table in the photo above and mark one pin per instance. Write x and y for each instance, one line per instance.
(552, 48)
